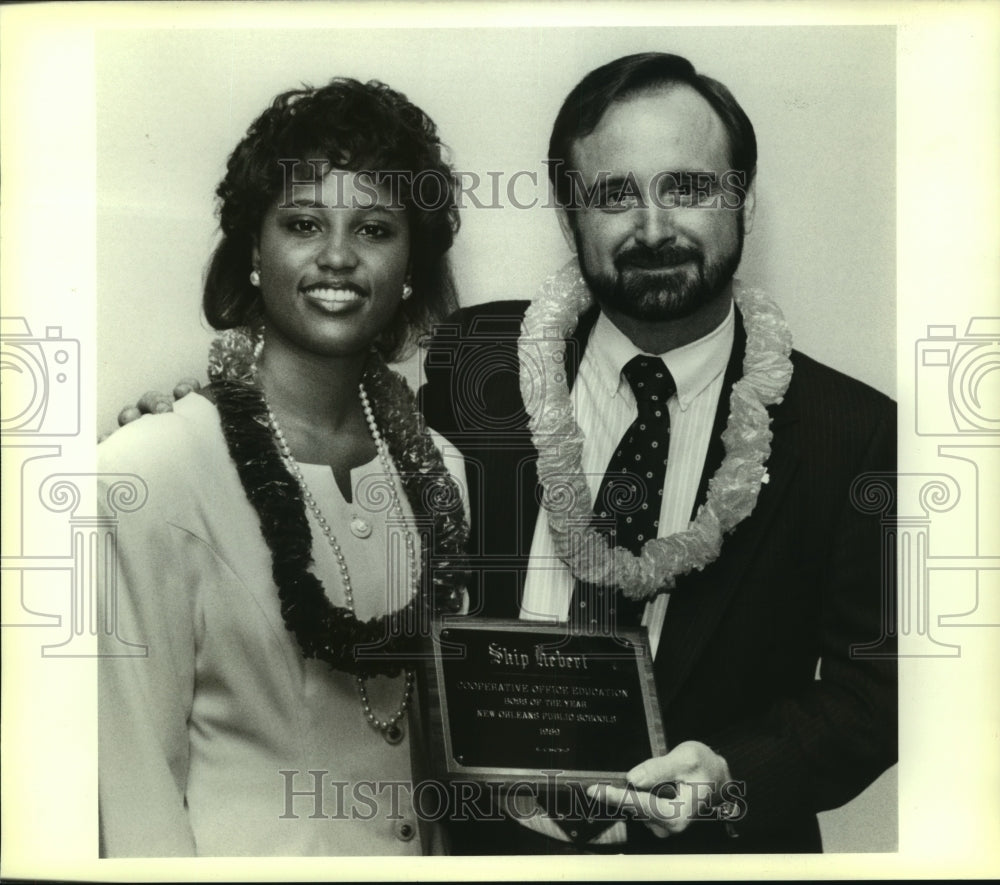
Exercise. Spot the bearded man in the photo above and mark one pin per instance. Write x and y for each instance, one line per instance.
(675, 373)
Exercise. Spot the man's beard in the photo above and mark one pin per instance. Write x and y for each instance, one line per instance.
(666, 283)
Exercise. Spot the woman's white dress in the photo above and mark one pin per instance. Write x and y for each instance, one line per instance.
(218, 738)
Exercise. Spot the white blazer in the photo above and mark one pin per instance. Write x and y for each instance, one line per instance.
(221, 739)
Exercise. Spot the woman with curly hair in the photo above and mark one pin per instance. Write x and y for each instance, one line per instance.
(269, 593)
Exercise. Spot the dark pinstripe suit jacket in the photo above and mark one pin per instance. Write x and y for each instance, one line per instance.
(799, 583)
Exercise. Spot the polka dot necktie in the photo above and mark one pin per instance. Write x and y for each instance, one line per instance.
(627, 505)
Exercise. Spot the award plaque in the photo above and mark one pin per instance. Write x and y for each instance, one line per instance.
(507, 701)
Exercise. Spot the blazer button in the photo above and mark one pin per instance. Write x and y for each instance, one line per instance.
(405, 830)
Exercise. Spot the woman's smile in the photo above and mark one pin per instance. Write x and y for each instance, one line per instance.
(334, 298)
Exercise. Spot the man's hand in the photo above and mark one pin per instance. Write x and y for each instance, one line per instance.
(155, 402)
(668, 792)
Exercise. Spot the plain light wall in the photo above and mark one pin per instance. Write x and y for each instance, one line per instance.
(171, 105)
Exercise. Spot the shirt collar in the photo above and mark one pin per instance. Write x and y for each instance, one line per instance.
(693, 366)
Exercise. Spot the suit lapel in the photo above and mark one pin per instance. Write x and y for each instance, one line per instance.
(701, 598)
(716, 451)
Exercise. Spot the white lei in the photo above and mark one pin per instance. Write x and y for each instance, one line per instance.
(732, 492)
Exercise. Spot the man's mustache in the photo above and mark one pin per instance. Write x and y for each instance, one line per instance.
(663, 257)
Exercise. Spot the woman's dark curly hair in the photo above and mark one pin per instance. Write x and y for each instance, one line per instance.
(353, 126)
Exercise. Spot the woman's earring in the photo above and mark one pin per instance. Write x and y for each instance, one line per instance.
(255, 278)
(407, 291)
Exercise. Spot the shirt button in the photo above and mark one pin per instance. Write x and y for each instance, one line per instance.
(404, 830)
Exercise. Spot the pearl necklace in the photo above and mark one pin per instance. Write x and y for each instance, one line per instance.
(388, 728)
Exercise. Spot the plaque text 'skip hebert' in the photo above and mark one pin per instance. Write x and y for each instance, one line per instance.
(500, 654)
